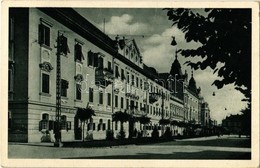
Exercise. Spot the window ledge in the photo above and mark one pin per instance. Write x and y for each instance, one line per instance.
(64, 98)
(78, 61)
(76, 100)
(90, 66)
(46, 47)
(45, 94)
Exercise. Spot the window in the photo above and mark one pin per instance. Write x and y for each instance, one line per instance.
(104, 126)
(128, 77)
(64, 48)
(122, 74)
(90, 125)
(63, 120)
(133, 80)
(64, 87)
(116, 125)
(44, 35)
(137, 82)
(116, 101)
(100, 97)
(45, 83)
(127, 104)
(45, 123)
(117, 72)
(141, 83)
(109, 99)
(108, 124)
(109, 65)
(78, 52)
(78, 91)
(100, 62)
(100, 124)
(136, 105)
(91, 94)
(122, 102)
(92, 59)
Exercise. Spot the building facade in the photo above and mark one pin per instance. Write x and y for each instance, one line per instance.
(96, 71)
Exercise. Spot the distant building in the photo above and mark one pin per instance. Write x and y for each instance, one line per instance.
(233, 123)
(205, 114)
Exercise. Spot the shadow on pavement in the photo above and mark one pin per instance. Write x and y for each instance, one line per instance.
(232, 142)
(208, 154)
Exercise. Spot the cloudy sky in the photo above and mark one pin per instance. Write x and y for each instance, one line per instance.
(153, 33)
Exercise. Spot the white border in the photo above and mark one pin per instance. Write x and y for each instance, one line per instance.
(254, 162)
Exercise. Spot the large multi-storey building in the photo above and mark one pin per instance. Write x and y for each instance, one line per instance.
(89, 60)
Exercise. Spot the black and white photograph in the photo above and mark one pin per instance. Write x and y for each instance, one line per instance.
(120, 83)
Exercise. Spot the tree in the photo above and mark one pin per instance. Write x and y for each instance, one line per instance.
(84, 114)
(121, 117)
(144, 120)
(225, 37)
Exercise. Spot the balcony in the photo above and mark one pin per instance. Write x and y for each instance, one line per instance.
(103, 77)
(154, 97)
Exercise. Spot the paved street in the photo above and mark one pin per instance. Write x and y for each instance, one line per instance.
(225, 147)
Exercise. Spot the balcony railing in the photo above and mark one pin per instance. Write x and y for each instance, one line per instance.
(103, 77)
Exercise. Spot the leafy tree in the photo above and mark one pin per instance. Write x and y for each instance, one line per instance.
(225, 37)
(84, 114)
(122, 117)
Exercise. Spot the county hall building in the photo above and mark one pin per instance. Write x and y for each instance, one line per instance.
(87, 64)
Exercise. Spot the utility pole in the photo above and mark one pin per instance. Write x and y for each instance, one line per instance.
(113, 79)
(58, 95)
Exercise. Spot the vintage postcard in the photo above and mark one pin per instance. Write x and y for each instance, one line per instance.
(120, 84)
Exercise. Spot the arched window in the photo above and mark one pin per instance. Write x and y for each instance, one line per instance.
(100, 124)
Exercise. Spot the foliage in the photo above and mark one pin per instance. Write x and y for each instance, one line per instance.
(225, 38)
(121, 135)
(84, 114)
(168, 133)
(89, 136)
(174, 122)
(155, 133)
(144, 119)
(164, 121)
(120, 116)
(109, 135)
